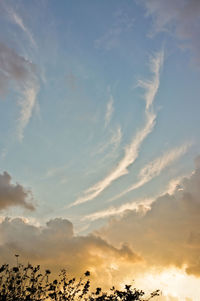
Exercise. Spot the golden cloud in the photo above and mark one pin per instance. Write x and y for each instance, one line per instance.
(55, 246)
(168, 234)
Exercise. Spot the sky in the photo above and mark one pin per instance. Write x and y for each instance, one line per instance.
(99, 140)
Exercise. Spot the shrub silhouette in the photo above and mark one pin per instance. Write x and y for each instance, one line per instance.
(27, 283)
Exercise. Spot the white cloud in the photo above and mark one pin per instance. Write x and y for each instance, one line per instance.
(151, 86)
(131, 150)
(137, 205)
(175, 184)
(116, 137)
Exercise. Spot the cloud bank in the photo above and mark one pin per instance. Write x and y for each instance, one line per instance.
(13, 194)
(132, 150)
(168, 234)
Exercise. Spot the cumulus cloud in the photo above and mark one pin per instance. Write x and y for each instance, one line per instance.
(55, 246)
(168, 234)
(181, 18)
(131, 150)
(17, 71)
(13, 194)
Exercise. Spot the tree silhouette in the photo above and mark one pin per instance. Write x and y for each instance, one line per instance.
(27, 283)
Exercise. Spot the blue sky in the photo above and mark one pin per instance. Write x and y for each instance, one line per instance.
(99, 105)
(86, 56)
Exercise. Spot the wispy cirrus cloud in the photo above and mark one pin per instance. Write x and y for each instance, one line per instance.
(154, 168)
(27, 105)
(113, 135)
(131, 150)
(116, 138)
(109, 111)
(136, 205)
(17, 69)
(58, 173)
(17, 19)
(53, 172)
(113, 141)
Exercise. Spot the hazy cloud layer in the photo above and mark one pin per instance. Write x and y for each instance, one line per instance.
(179, 17)
(168, 234)
(13, 194)
(55, 246)
(132, 150)
(18, 72)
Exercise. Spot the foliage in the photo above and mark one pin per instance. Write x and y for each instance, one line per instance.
(27, 283)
